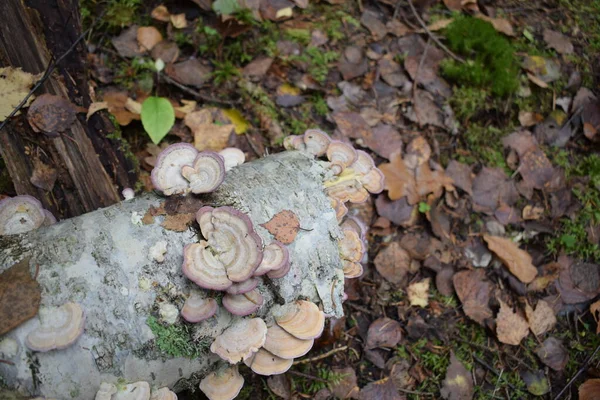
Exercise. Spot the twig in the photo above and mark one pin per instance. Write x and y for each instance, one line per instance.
(49, 69)
(579, 372)
(195, 93)
(492, 370)
(6, 362)
(416, 392)
(436, 40)
(307, 376)
(321, 356)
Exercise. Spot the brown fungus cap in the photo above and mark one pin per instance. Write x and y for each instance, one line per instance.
(231, 253)
(242, 339)
(266, 363)
(340, 208)
(352, 269)
(60, 328)
(21, 214)
(275, 257)
(351, 246)
(206, 173)
(197, 308)
(341, 155)
(243, 287)
(284, 345)
(222, 385)
(303, 319)
(316, 142)
(243, 304)
(166, 175)
(133, 391)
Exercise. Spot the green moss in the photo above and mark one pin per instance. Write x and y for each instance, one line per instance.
(468, 101)
(484, 145)
(176, 340)
(224, 72)
(490, 57)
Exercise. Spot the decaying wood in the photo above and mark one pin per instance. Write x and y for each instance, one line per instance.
(90, 167)
(101, 260)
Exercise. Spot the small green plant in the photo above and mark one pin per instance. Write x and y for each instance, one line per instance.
(467, 102)
(176, 340)
(298, 35)
(320, 105)
(224, 71)
(120, 13)
(490, 57)
(327, 378)
(318, 61)
(226, 7)
(424, 207)
(158, 117)
(183, 39)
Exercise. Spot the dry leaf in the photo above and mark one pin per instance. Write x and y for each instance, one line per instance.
(280, 385)
(187, 107)
(458, 384)
(43, 175)
(148, 37)
(284, 226)
(453, 5)
(346, 387)
(595, 310)
(500, 24)
(516, 260)
(178, 222)
(542, 319)
(418, 293)
(161, 13)
(383, 332)
(381, 389)
(553, 354)
(116, 106)
(126, 43)
(212, 136)
(51, 114)
(558, 42)
(537, 81)
(393, 263)
(179, 21)
(133, 106)
(191, 72)
(95, 107)
(440, 24)
(20, 296)
(399, 180)
(511, 328)
(590, 390)
(14, 86)
(473, 291)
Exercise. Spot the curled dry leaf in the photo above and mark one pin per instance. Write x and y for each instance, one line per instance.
(458, 384)
(148, 37)
(383, 332)
(284, 226)
(558, 42)
(43, 175)
(553, 354)
(536, 382)
(473, 291)
(511, 328)
(95, 107)
(393, 263)
(346, 387)
(418, 293)
(51, 114)
(20, 295)
(178, 222)
(542, 319)
(399, 180)
(14, 86)
(516, 260)
(595, 311)
(161, 13)
(381, 389)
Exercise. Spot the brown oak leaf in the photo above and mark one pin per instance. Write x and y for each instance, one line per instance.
(516, 260)
(284, 226)
(399, 180)
(511, 328)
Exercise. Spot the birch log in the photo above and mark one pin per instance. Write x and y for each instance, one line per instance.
(101, 261)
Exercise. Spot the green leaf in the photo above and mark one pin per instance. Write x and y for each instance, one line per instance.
(158, 117)
(424, 207)
(225, 7)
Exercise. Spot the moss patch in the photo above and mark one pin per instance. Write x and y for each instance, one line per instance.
(176, 340)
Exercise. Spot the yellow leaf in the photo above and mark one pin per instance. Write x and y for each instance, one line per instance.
(286, 88)
(14, 86)
(237, 119)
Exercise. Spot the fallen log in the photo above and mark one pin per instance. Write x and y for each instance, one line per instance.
(102, 261)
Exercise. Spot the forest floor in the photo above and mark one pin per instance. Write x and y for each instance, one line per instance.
(482, 276)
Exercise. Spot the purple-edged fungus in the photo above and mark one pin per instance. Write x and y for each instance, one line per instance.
(341, 156)
(222, 385)
(133, 391)
(352, 269)
(233, 157)
(49, 219)
(231, 253)
(196, 308)
(351, 246)
(316, 142)
(166, 175)
(128, 193)
(275, 257)
(243, 287)
(279, 273)
(206, 173)
(265, 363)
(294, 142)
(284, 345)
(243, 304)
(303, 319)
(356, 181)
(242, 339)
(354, 223)
(106, 391)
(163, 394)
(20, 214)
(60, 328)
(340, 208)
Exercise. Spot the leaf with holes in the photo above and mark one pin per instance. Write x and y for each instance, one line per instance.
(158, 117)
(284, 226)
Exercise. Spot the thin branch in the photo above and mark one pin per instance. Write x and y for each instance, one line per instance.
(321, 356)
(307, 376)
(579, 372)
(435, 39)
(195, 93)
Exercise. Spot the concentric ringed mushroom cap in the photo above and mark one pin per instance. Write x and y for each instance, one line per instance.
(352, 269)
(354, 223)
(341, 154)
(202, 267)
(265, 363)
(166, 175)
(351, 246)
(316, 142)
(233, 157)
(163, 394)
(275, 257)
(303, 319)
(21, 214)
(340, 208)
(242, 339)
(363, 164)
(243, 287)
(373, 181)
(284, 345)
(294, 142)
(206, 173)
(243, 304)
(50, 218)
(222, 385)
(60, 328)
(196, 308)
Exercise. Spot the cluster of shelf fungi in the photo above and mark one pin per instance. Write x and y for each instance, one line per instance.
(231, 258)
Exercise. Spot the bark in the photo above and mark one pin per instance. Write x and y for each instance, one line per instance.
(100, 260)
(90, 167)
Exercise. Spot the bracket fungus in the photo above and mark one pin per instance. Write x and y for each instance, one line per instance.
(232, 157)
(166, 174)
(266, 363)
(222, 385)
(60, 328)
(133, 391)
(163, 394)
(231, 253)
(196, 308)
(276, 258)
(316, 142)
(243, 287)
(206, 173)
(282, 344)
(303, 319)
(242, 339)
(22, 214)
(341, 156)
(243, 304)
